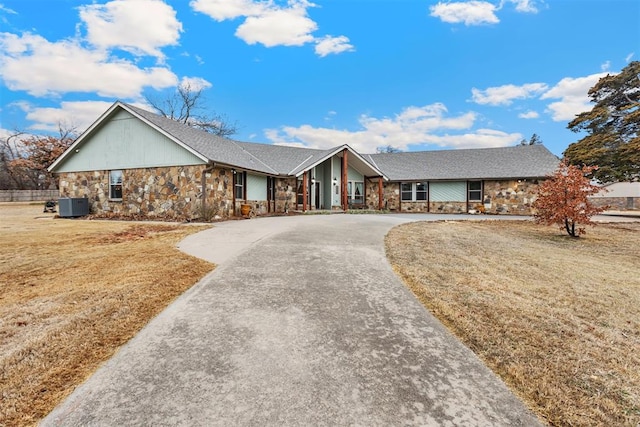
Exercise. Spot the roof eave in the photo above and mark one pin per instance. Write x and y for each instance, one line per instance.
(103, 118)
(303, 169)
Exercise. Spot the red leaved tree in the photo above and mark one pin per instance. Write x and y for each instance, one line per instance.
(30, 157)
(563, 199)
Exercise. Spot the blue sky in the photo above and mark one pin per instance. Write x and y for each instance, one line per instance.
(417, 75)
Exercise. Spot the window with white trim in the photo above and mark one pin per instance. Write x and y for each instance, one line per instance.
(413, 191)
(406, 190)
(475, 191)
(421, 191)
(239, 185)
(355, 192)
(115, 185)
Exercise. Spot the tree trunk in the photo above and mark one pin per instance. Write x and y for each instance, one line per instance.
(570, 226)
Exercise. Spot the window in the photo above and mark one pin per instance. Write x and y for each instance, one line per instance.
(239, 185)
(413, 191)
(475, 191)
(115, 185)
(421, 191)
(407, 191)
(355, 191)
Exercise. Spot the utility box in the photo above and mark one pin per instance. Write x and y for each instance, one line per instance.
(73, 207)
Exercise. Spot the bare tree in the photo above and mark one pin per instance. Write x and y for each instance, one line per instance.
(185, 106)
(11, 178)
(388, 149)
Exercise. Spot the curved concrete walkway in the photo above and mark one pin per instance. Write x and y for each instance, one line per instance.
(303, 323)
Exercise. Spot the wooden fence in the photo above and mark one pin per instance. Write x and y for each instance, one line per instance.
(28, 195)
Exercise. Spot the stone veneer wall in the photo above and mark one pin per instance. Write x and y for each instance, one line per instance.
(391, 194)
(421, 206)
(260, 207)
(509, 196)
(500, 197)
(371, 192)
(617, 203)
(168, 192)
(286, 194)
(447, 207)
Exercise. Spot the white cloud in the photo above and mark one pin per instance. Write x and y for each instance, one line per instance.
(6, 133)
(413, 126)
(137, 26)
(529, 115)
(221, 10)
(628, 57)
(605, 66)
(39, 67)
(5, 9)
(271, 25)
(470, 13)
(78, 114)
(279, 27)
(504, 95)
(330, 115)
(328, 44)
(195, 83)
(477, 12)
(481, 138)
(525, 6)
(573, 95)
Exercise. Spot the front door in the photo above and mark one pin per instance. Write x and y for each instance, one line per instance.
(316, 197)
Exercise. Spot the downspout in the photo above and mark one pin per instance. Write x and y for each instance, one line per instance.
(210, 166)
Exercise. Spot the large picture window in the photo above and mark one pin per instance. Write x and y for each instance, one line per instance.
(475, 191)
(413, 191)
(115, 185)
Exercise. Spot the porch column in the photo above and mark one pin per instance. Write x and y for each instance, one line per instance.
(304, 192)
(380, 201)
(345, 176)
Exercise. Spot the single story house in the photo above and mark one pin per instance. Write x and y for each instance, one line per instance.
(619, 196)
(134, 162)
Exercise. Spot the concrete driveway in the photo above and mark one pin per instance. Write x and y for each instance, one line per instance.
(302, 323)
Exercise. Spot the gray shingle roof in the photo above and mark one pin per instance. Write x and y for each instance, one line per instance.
(215, 148)
(522, 161)
(285, 160)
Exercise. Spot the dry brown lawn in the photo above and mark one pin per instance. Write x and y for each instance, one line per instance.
(71, 293)
(557, 318)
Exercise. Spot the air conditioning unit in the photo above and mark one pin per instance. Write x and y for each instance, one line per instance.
(73, 207)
